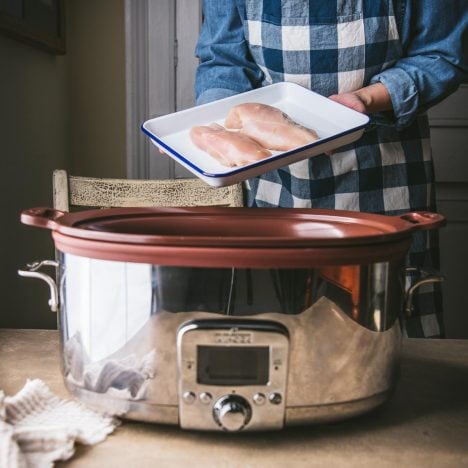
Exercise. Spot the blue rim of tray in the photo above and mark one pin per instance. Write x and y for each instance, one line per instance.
(252, 165)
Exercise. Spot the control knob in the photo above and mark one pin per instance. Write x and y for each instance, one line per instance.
(232, 412)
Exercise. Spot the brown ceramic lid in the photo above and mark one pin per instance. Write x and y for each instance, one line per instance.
(127, 233)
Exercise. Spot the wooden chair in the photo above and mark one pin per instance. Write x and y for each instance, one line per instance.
(74, 192)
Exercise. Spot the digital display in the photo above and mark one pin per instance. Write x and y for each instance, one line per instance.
(233, 365)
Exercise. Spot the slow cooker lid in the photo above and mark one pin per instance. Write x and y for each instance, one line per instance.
(222, 226)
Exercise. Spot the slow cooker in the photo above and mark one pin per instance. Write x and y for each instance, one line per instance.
(235, 319)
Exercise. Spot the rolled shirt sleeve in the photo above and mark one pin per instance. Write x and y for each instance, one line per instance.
(434, 37)
(226, 67)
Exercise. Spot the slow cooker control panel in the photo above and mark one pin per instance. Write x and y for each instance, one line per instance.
(232, 374)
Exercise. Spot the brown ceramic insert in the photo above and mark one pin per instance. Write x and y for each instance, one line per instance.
(248, 237)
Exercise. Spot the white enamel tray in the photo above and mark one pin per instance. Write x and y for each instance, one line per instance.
(335, 124)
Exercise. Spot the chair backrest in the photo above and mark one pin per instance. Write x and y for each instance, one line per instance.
(74, 191)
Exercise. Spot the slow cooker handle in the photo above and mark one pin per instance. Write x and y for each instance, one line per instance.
(42, 217)
(425, 278)
(32, 272)
(423, 220)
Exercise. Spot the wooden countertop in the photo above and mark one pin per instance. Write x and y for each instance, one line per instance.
(424, 424)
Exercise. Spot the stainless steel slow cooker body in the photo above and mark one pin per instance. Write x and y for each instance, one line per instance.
(230, 332)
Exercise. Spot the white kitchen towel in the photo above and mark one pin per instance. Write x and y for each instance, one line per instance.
(38, 428)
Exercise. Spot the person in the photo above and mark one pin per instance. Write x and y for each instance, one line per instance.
(391, 59)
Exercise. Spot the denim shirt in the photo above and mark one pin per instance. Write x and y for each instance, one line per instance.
(433, 34)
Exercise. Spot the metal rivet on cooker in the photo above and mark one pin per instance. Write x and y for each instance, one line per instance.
(259, 399)
(205, 397)
(189, 397)
(276, 398)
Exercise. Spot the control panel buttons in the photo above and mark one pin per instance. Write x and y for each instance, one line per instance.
(259, 399)
(205, 397)
(232, 412)
(232, 374)
(276, 398)
(189, 397)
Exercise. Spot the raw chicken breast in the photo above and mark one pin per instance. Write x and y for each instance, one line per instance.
(227, 147)
(269, 126)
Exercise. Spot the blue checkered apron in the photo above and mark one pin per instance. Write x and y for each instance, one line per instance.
(336, 46)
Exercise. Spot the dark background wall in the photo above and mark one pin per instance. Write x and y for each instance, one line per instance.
(449, 129)
(56, 111)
